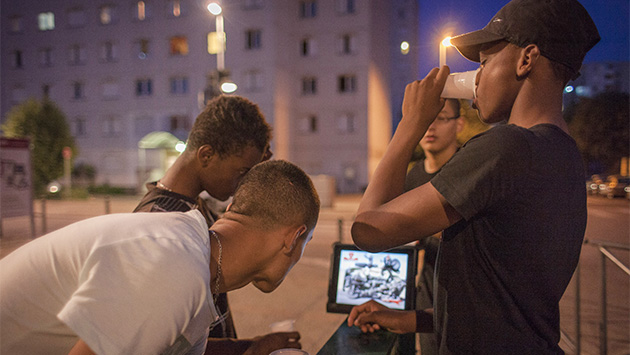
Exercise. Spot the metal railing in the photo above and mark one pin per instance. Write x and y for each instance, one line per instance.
(604, 249)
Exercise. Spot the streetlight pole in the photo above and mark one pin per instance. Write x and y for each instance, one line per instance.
(446, 42)
(217, 11)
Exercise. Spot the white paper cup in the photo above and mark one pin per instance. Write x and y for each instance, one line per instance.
(460, 85)
(289, 352)
(287, 325)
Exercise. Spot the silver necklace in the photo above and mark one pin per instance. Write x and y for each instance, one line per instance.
(163, 187)
(219, 271)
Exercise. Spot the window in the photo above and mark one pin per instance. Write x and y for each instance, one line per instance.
(76, 54)
(18, 59)
(346, 44)
(179, 85)
(143, 87)
(346, 83)
(178, 123)
(254, 4)
(179, 45)
(345, 123)
(108, 51)
(77, 90)
(309, 86)
(76, 17)
(45, 57)
(308, 124)
(253, 80)
(308, 47)
(308, 9)
(45, 90)
(253, 39)
(109, 90)
(46, 21)
(111, 126)
(345, 7)
(15, 24)
(79, 127)
(106, 14)
(140, 11)
(143, 48)
(175, 8)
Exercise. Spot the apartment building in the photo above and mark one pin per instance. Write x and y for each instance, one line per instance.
(130, 76)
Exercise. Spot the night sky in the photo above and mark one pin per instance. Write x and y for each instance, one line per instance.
(439, 19)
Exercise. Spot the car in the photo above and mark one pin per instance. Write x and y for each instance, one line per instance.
(592, 184)
(615, 186)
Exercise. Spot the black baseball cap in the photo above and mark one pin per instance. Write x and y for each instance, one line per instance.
(562, 29)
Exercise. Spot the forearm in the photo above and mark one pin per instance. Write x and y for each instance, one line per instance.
(227, 346)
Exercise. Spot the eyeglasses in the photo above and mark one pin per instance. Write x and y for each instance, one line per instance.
(442, 119)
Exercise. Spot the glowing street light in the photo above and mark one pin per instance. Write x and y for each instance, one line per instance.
(214, 8)
(228, 87)
(446, 42)
(219, 37)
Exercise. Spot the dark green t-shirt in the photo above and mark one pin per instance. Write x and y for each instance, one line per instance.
(503, 268)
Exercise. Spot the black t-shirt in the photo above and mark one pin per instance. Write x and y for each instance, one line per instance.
(503, 268)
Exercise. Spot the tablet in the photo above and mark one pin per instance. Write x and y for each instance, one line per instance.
(358, 276)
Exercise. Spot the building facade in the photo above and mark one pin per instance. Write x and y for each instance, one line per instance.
(329, 75)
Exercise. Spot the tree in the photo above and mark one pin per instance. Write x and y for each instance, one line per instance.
(601, 129)
(46, 127)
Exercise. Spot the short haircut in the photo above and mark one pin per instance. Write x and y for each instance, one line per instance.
(455, 104)
(229, 124)
(277, 193)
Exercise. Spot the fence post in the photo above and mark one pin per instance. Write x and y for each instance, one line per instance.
(44, 229)
(107, 205)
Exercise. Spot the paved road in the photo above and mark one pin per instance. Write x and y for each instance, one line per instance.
(303, 296)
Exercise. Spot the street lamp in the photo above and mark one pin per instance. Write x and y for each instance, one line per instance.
(446, 42)
(217, 45)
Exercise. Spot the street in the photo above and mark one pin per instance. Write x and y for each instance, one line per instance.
(303, 294)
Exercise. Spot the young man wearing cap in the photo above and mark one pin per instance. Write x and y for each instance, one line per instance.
(509, 248)
(146, 283)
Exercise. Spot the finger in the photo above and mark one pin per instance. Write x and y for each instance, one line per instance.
(442, 74)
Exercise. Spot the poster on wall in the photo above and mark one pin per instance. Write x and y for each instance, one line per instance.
(15, 178)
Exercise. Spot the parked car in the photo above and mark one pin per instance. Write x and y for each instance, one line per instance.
(592, 184)
(615, 186)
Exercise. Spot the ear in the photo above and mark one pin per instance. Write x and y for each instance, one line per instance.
(292, 236)
(205, 153)
(461, 123)
(527, 60)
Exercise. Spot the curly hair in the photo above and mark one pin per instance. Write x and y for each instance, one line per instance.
(277, 193)
(228, 124)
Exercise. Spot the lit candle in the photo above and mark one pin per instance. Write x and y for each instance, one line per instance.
(446, 42)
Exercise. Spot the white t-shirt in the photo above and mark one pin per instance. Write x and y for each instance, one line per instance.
(123, 283)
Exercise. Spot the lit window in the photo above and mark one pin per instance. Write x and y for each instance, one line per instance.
(46, 21)
(308, 9)
(179, 45)
(77, 90)
(106, 14)
(175, 8)
(179, 85)
(309, 86)
(45, 57)
(15, 24)
(308, 47)
(346, 6)
(141, 11)
(308, 124)
(143, 87)
(346, 83)
(76, 17)
(346, 44)
(17, 59)
(253, 39)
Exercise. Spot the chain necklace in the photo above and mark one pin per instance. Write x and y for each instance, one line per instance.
(163, 187)
(219, 271)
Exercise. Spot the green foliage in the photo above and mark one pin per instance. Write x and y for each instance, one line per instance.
(46, 127)
(600, 127)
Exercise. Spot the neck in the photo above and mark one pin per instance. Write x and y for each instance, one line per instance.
(182, 178)
(537, 103)
(435, 160)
